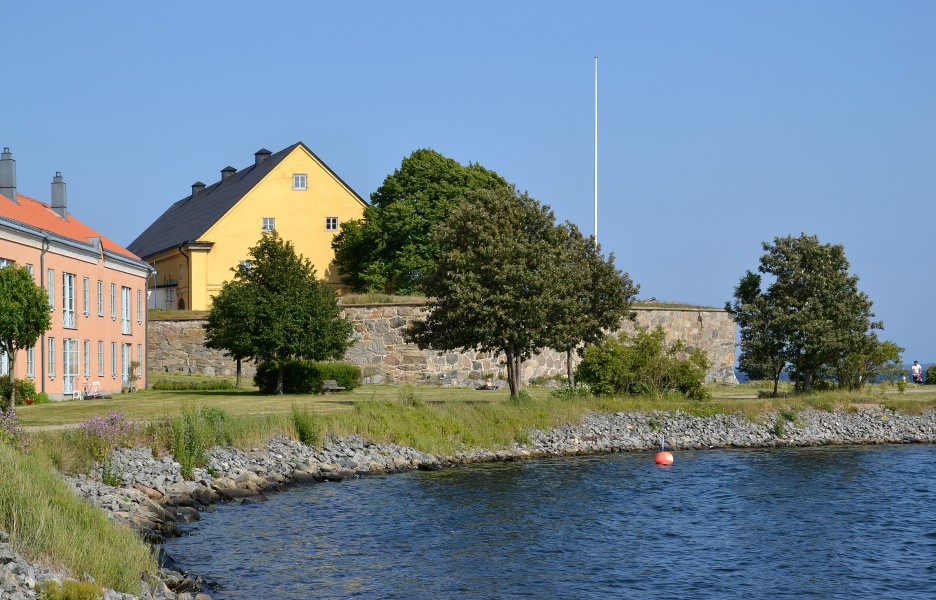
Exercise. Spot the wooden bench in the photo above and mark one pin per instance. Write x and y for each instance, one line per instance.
(330, 385)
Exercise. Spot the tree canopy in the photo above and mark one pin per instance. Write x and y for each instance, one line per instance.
(24, 314)
(391, 249)
(276, 309)
(811, 318)
(595, 295)
(502, 282)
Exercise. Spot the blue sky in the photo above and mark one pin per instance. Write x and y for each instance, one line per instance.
(721, 124)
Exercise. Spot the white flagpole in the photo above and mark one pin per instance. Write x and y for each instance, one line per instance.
(596, 149)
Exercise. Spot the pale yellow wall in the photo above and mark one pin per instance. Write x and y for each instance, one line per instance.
(300, 218)
(173, 266)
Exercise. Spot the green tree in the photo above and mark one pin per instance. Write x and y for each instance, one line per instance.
(230, 323)
(762, 331)
(595, 295)
(24, 314)
(287, 312)
(812, 305)
(493, 288)
(870, 360)
(391, 249)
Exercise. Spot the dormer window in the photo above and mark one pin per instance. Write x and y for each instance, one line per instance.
(299, 182)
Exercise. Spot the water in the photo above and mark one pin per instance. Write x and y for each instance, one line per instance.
(844, 522)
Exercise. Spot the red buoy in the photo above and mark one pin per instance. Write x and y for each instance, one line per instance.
(664, 458)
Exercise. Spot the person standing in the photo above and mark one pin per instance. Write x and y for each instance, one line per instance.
(916, 372)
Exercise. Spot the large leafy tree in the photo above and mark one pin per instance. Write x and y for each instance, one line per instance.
(494, 288)
(812, 308)
(595, 295)
(391, 249)
(276, 309)
(24, 314)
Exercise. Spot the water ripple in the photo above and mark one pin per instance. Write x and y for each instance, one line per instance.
(844, 522)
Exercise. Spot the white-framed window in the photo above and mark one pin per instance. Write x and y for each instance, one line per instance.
(69, 365)
(86, 296)
(300, 181)
(139, 373)
(113, 301)
(100, 298)
(29, 268)
(68, 300)
(50, 281)
(4, 361)
(87, 358)
(125, 364)
(244, 265)
(114, 360)
(4, 262)
(125, 310)
(331, 223)
(269, 224)
(100, 359)
(51, 341)
(31, 362)
(140, 306)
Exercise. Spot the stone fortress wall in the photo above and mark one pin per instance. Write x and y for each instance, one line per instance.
(379, 349)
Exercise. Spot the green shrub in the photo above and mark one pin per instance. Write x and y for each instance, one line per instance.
(644, 365)
(931, 375)
(203, 384)
(306, 377)
(25, 391)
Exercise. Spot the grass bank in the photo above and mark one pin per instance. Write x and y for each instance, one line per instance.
(48, 523)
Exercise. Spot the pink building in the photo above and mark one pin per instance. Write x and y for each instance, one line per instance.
(96, 292)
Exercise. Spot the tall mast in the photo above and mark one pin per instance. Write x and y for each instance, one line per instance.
(596, 149)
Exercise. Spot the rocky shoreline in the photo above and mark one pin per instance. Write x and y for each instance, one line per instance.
(154, 497)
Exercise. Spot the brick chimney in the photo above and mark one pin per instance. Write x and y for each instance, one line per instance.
(8, 175)
(59, 205)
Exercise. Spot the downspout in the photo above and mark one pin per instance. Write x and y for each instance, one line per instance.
(188, 273)
(144, 360)
(42, 284)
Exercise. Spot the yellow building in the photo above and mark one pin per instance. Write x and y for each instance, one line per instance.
(194, 245)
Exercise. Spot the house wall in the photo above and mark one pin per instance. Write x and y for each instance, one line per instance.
(84, 261)
(299, 217)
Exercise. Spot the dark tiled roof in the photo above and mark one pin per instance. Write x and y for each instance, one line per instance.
(188, 219)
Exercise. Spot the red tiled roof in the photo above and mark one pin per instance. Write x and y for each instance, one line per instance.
(39, 215)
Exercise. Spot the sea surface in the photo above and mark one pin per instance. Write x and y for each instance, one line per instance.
(834, 522)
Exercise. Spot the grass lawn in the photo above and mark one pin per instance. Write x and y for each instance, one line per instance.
(145, 405)
(150, 404)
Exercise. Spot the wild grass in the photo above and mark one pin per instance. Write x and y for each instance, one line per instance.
(48, 523)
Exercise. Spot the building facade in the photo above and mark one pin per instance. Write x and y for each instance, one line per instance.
(196, 243)
(96, 291)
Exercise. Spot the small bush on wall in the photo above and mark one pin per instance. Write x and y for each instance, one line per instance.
(643, 364)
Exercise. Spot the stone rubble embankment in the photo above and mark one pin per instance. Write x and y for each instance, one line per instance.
(155, 497)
